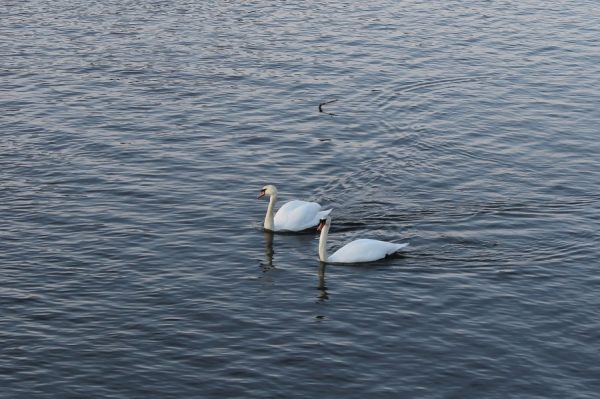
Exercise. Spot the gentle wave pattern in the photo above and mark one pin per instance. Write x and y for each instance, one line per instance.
(137, 134)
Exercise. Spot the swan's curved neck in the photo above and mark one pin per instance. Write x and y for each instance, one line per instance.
(270, 217)
(323, 244)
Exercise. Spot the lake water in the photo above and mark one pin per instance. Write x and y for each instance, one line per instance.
(136, 136)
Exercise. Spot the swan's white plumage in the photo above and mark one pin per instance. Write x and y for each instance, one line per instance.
(361, 250)
(364, 250)
(294, 215)
(298, 215)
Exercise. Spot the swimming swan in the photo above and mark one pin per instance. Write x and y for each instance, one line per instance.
(295, 215)
(362, 250)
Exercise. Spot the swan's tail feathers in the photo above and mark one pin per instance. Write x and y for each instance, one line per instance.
(323, 214)
(400, 246)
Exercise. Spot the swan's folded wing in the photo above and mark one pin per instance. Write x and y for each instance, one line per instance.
(297, 215)
(365, 250)
(289, 206)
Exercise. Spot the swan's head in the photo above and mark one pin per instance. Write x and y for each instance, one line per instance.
(323, 223)
(269, 189)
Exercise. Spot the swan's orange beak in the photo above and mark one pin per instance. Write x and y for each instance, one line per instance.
(320, 226)
(262, 194)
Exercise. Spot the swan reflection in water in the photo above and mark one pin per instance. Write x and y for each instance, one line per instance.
(269, 251)
(323, 294)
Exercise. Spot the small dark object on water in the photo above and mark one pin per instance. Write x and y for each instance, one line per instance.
(325, 103)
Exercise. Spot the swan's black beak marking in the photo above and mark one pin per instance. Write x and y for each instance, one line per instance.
(321, 224)
(262, 194)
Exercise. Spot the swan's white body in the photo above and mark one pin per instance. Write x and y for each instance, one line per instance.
(361, 250)
(294, 215)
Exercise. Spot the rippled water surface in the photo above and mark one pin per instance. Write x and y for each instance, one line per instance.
(137, 134)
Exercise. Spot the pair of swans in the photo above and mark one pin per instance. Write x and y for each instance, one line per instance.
(299, 215)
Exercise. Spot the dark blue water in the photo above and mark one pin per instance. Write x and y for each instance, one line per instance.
(136, 136)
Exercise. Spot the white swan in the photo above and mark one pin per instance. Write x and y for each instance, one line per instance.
(362, 250)
(295, 215)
